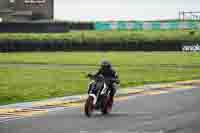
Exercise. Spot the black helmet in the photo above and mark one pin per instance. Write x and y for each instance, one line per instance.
(105, 64)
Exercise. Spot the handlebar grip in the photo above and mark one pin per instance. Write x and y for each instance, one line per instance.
(89, 75)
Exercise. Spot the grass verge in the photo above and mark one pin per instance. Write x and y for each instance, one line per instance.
(35, 76)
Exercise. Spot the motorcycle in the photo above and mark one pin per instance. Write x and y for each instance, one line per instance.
(98, 96)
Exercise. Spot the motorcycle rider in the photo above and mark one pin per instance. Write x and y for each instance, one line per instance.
(110, 75)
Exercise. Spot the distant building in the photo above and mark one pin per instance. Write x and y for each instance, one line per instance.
(5, 9)
(26, 10)
(4, 3)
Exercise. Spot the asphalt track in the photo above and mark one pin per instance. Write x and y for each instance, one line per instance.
(175, 112)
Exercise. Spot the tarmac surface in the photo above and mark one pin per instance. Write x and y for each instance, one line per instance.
(151, 112)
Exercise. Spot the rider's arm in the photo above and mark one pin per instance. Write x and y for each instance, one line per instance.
(94, 74)
(98, 72)
(116, 77)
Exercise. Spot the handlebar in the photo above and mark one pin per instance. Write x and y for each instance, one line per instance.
(105, 79)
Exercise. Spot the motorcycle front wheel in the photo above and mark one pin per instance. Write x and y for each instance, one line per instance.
(89, 106)
(106, 105)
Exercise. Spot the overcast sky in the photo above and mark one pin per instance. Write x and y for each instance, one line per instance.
(86, 10)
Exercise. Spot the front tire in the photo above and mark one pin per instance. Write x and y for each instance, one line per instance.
(89, 106)
(107, 105)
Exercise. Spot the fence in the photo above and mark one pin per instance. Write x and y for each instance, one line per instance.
(27, 27)
(81, 26)
(171, 25)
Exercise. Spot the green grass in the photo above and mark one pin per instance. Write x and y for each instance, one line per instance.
(63, 73)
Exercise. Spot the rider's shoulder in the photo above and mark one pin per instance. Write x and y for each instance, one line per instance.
(113, 70)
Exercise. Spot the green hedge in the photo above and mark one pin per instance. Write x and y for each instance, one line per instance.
(99, 40)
